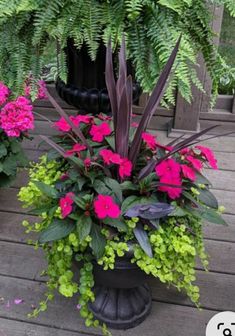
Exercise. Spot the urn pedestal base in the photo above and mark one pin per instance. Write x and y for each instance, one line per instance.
(121, 308)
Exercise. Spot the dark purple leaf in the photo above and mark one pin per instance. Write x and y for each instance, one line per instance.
(150, 211)
(152, 104)
(124, 119)
(110, 83)
(143, 239)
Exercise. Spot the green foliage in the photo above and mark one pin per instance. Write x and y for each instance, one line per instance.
(11, 156)
(28, 28)
(175, 249)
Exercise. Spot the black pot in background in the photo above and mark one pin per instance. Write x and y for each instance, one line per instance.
(122, 296)
(86, 88)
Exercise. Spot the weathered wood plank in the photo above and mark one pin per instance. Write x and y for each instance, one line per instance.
(209, 284)
(168, 319)
(11, 228)
(18, 328)
(227, 199)
(221, 179)
(221, 232)
(62, 312)
(21, 260)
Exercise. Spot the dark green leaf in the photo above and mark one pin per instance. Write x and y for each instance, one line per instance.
(143, 239)
(80, 182)
(117, 223)
(57, 230)
(129, 202)
(208, 198)
(10, 165)
(128, 185)
(15, 147)
(98, 241)
(114, 188)
(80, 202)
(212, 216)
(201, 179)
(83, 226)
(46, 189)
(101, 188)
(3, 150)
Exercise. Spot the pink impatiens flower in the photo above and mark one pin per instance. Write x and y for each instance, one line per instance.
(66, 204)
(169, 173)
(81, 119)
(62, 125)
(168, 167)
(150, 140)
(4, 93)
(105, 207)
(209, 155)
(41, 90)
(188, 172)
(17, 117)
(87, 162)
(173, 192)
(77, 148)
(196, 163)
(109, 157)
(125, 168)
(98, 132)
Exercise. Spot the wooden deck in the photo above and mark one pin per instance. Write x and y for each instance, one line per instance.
(172, 313)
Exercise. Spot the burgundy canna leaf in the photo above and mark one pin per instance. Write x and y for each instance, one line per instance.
(110, 83)
(152, 104)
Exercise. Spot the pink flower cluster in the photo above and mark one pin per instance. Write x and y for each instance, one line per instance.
(171, 172)
(63, 126)
(105, 207)
(66, 204)
(125, 166)
(150, 141)
(4, 93)
(17, 117)
(41, 89)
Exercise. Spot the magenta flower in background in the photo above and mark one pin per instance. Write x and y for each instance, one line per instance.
(4, 93)
(41, 90)
(98, 132)
(196, 163)
(188, 172)
(209, 155)
(109, 157)
(105, 207)
(66, 204)
(168, 167)
(77, 148)
(150, 140)
(81, 119)
(125, 168)
(62, 125)
(17, 117)
(173, 192)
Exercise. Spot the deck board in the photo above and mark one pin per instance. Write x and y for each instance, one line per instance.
(172, 314)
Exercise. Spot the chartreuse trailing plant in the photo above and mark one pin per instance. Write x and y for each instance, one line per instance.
(28, 29)
(108, 187)
(16, 119)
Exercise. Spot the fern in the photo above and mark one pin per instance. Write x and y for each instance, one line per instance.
(151, 28)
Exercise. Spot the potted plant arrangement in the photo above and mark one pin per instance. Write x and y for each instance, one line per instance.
(16, 119)
(119, 206)
(79, 31)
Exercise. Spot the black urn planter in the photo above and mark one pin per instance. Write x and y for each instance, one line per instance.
(122, 296)
(86, 88)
